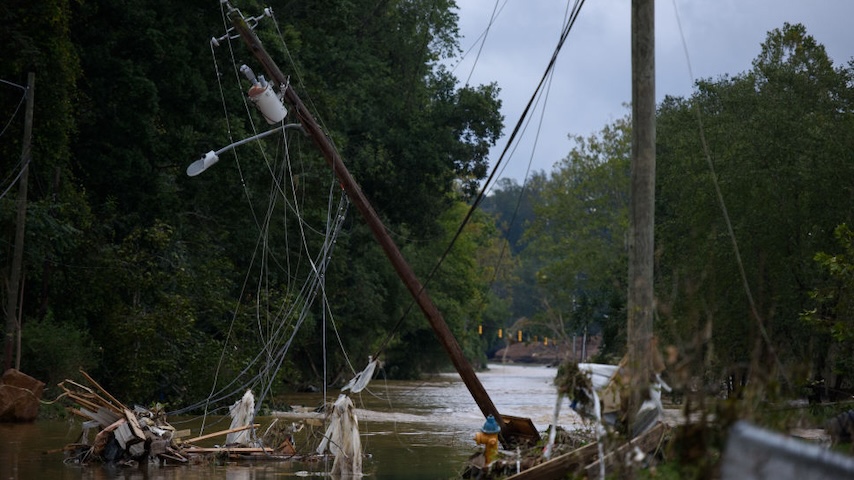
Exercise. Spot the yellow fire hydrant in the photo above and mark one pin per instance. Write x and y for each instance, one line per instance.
(488, 436)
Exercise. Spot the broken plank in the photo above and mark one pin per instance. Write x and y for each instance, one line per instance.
(103, 416)
(84, 403)
(103, 437)
(134, 424)
(224, 432)
(559, 466)
(77, 412)
(82, 387)
(228, 450)
(104, 391)
(172, 456)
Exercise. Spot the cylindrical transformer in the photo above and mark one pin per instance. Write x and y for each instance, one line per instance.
(268, 103)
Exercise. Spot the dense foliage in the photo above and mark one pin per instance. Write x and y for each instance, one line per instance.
(767, 152)
(779, 139)
(164, 284)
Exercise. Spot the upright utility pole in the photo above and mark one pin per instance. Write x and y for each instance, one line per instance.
(642, 201)
(12, 306)
(512, 428)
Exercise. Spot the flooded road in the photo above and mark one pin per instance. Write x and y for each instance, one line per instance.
(411, 430)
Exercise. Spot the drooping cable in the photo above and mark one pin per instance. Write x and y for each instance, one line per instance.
(285, 333)
(17, 108)
(17, 177)
(482, 39)
(505, 244)
(230, 329)
(279, 333)
(478, 41)
(573, 16)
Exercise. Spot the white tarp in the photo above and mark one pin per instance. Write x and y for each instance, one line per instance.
(342, 438)
(605, 380)
(361, 380)
(242, 414)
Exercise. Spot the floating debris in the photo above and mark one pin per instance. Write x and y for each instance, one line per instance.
(342, 438)
(129, 437)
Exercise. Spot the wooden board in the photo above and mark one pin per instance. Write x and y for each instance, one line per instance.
(560, 466)
(584, 458)
(521, 429)
(133, 422)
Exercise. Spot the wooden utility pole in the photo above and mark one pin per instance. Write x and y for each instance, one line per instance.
(512, 428)
(642, 201)
(12, 307)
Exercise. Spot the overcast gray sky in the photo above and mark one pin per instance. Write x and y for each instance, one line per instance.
(592, 79)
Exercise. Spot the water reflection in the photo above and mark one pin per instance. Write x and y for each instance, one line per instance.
(411, 430)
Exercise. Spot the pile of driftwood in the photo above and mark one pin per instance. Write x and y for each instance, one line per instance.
(130, 436)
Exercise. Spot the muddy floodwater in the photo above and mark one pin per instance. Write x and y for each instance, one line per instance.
(410, 430)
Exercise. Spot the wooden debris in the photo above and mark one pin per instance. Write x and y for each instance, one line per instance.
(105, 436)
(103, 416)
(561, 465)
(115, 402)
(228, 450)
(582, 461)
(219, 434)
(134, 425)
(645, 443)
(158, 446)
(127, 436)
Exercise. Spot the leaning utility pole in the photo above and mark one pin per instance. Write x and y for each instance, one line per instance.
(12, 307)
(642, 201)
(513, 429)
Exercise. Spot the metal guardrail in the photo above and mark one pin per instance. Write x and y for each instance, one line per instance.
(753, 453)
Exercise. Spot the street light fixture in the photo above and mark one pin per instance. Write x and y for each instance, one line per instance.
(212, 157)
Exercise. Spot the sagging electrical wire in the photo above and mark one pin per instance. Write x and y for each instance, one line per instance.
(573, 16)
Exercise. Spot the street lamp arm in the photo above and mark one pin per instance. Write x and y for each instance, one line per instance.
(212, 157)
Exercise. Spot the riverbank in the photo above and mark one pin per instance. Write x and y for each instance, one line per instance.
(547, 352)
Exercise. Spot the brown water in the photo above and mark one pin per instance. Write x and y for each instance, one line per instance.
(410, 430)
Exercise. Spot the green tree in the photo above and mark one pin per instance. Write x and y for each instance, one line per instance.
(512, 207)
(37, 39)
(580, 229)
(832, 318)
(776, 139)
(167, 270)
(408, 133)
(461, 290)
